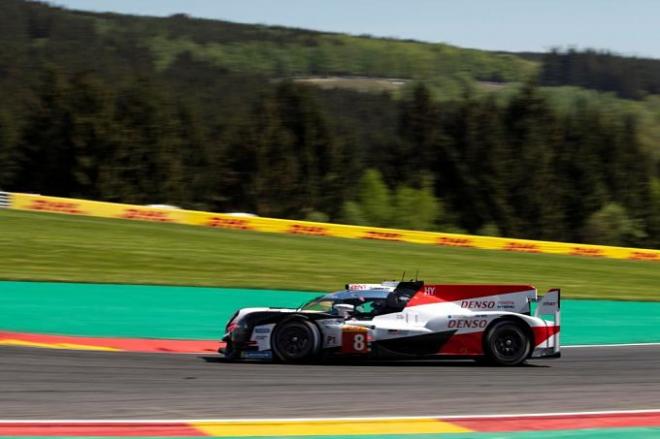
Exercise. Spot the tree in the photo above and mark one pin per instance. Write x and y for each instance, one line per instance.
(535, 189)
(416, 209)
(374, 199)
(9, 153)
(654, 222)
(89, 104)
(611, 225)
(353, 214)
(46, 150)
(146, 165)
(418, 130)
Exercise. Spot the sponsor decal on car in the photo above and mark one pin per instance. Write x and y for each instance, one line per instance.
(429, 291)
(467, 324)
(354, 340)
(506, 304)
(262, 330)
(257, 355)
(478, 304)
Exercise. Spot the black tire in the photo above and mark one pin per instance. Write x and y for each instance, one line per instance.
(507, 344)
(229, 353)
(296, 341)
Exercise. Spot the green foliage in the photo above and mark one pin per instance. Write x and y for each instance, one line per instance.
(489, 229)
(611, 225)
(197, 113)
(631, 78)
(282, 53)
(9, 159)
(351, 213)
(654, 219)
(416, 209)
(405, 207)
(316, 216)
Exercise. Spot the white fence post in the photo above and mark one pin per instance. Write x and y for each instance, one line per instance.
(4, 200)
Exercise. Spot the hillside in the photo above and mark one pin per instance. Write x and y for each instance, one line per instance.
(288, 122)
(58, 35)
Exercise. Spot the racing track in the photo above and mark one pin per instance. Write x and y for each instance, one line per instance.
(58, 384)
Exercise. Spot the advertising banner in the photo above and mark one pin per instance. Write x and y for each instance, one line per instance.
(271, 225)
(71, 206)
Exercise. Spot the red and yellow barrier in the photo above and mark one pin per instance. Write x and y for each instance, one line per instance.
(271, 225)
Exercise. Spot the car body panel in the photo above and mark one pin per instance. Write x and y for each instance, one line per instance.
(409, 319)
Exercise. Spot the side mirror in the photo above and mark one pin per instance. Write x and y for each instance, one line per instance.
(344, 309)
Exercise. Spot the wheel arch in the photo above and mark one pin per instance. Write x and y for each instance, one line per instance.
(298, 317)
(510, 318)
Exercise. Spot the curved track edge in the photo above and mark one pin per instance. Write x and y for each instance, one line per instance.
(338, 426)
(76, 343)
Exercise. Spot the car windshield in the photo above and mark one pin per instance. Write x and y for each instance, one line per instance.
(321, 304)
(367, 303)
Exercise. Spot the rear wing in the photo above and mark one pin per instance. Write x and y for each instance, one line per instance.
(483, 297)
(549, 306)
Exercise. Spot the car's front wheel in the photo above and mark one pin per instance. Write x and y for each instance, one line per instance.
(229, 352)
(296, 341)
(507, 344)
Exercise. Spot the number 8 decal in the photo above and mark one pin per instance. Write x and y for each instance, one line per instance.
(354, 341)
(359, 343)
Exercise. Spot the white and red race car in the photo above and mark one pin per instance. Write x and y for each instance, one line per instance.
(492, 323)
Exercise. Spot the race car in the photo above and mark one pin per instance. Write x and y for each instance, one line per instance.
(489, 323)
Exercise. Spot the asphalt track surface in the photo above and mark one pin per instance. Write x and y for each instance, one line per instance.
(59, 384)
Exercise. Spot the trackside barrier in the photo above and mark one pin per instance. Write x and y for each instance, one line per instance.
(72, 206)
(4, 200)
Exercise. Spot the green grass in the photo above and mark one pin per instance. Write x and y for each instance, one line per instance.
(38, 246)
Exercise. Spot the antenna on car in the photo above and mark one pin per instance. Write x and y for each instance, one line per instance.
(417, 275)
(403, 275)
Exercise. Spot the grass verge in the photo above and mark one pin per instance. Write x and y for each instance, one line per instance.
(41, 246)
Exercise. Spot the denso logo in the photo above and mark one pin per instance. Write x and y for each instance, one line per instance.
(229, 223)
(478, 304)
(468, 324)
(300, 229)
(145, 215)
(56, 206)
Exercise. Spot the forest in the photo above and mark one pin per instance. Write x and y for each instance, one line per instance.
(209, 115)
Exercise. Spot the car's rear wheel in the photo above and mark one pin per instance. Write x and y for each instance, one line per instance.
(507, 343)
(296, 341)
